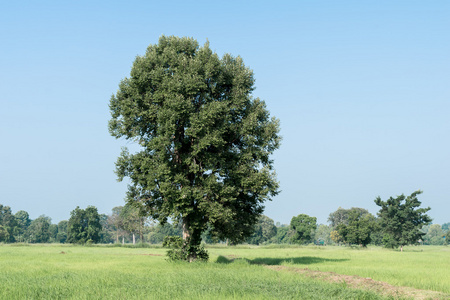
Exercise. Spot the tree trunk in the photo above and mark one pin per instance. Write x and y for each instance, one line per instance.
(186, 233)
(134, 239)
(123, 240)
(401, 248)
(187, 239)
(141, 234)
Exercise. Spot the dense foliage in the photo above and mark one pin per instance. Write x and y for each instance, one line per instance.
(84, 226)
(358, 228)
(341, 215)
(401, 220)
(303, 227)
(206, 142)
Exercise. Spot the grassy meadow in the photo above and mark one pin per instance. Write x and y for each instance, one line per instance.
(102, 272)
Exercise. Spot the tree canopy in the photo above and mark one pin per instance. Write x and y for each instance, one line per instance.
(303, 227)
(7, 224)
(358, 228)
(341, 215)
(401, 219)
(205, 140)
(38, 232)
(84, 226)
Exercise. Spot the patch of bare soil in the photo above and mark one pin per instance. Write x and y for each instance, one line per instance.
(151, 254)
(357, 282)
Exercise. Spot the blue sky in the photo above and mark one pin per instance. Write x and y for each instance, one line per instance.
(362, 90)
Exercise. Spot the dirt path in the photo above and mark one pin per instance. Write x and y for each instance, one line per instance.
(357, 282)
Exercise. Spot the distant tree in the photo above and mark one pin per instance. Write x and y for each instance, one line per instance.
(53, 232)
(336, 237)
(341, 215)
(208, 237)
(132, 220)
(358, 229)
(206, 141)
(61, 237)
(23, 222)
(38, 231)
(4, 234)
(447, 238)
(434, 235)
(283, 236)
(323, 233)
(264, 230)
(446, 226)
(401, 220)
(115, 223)
(7, 223)
(376, 235)
(303, 227)
(160, 231)
(84, 226)
(107, 233)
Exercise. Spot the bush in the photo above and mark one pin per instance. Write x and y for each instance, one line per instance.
(180, 250)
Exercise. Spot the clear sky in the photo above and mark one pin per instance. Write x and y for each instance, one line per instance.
(362, 90)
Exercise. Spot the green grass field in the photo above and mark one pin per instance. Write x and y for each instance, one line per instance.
(426, 267)
(99, 272)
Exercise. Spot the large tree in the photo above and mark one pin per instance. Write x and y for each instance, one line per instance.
(205, 140)
(401, 220)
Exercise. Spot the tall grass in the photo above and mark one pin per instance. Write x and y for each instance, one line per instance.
(75, 272)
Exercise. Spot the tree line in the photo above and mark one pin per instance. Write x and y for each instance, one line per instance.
(125, 224)
(128, 224)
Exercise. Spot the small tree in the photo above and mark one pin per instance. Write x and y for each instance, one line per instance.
(303, 227)
(133, 221)
(61, 237)
(115, 222)
(8, 223)
(23, 222)
(38, 231)
(336, 237)
(107, 233)
(53, 232)
(84, 226)
(401, 220)
(358, 229)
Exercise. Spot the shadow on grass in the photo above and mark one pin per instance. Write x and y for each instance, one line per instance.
(304, 260)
